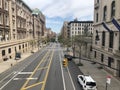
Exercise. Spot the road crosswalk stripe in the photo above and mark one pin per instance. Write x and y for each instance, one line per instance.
(25, 72)
(25, 78)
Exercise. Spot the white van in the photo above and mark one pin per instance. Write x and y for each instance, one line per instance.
(87, 82)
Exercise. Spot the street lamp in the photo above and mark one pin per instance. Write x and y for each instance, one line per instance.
(73, 47)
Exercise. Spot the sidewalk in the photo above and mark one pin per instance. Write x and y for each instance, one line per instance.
(10, 62)
(99, 75)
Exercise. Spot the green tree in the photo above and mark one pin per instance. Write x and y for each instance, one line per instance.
(65, 41)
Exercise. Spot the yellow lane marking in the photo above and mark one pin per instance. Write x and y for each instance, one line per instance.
(33, 85)
(45, 79)
(42, 68)
(34, 71)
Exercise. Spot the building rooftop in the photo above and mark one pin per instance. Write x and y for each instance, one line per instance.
(80, 22)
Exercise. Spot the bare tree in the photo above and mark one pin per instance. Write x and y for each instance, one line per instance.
(32, 43)
(79, 41)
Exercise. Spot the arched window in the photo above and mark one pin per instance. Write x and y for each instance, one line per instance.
(97, 1)
(113, 9)
(103, 38)
(96, 17)
(104, 13)
(111, 38)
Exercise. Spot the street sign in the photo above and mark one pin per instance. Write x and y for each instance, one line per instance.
(108, 80)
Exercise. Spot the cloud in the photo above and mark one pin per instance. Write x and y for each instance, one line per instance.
(64, 9)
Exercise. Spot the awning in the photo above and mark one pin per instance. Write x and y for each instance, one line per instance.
(106, 27)
(116, 24)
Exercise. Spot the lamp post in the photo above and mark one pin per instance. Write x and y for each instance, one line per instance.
(85, 41)
(73, 47)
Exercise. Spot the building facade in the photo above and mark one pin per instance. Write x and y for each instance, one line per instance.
(78, 27)
(16, 28)
(38, 26)
(73, 28)
(106, 37)
(65, 31)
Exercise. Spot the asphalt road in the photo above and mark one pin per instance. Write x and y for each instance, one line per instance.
(42, 71)
(55, 81)
(29, 72)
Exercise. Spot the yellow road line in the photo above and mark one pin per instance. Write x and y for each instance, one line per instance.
(33, 85)
(42, 68)
(45, 79)
(23, 87)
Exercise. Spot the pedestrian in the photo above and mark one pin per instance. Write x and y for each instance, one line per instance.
(11, 64)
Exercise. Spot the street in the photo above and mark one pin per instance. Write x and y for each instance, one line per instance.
(42, 71)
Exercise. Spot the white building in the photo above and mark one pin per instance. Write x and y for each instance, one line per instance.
(78, 27)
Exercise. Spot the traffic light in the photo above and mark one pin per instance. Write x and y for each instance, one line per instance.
(65, 62)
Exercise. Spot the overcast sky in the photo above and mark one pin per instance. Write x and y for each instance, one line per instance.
(58, 11)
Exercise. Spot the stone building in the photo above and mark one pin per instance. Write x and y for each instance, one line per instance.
(38, 26)
(106, 37)
(16, 28)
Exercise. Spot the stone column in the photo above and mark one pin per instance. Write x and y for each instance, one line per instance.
(10, 17)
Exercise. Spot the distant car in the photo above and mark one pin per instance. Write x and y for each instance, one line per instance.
(86, 82)
(68, 57)
(18, 55)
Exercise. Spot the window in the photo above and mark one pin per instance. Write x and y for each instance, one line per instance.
(6, 20)
(97, 1)
(81, 78)
(84, 81)
(111, 36)
(105, 13)
(3, 52)
(75, 24)
(13, 10)
(15, 49)
(23, 45)
(0, 3)
(5, 5)
(72, 24)
(113, 9)
(19, 47)
(96, 17)
(9, 50)
(103, 38)
(110, 60)
(95, 54)
(91, 48)
(26, 45)
(102, 57)
(1, 18)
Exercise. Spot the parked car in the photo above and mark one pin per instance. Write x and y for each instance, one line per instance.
(87, 82)
(69, 58)
(17, 55)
